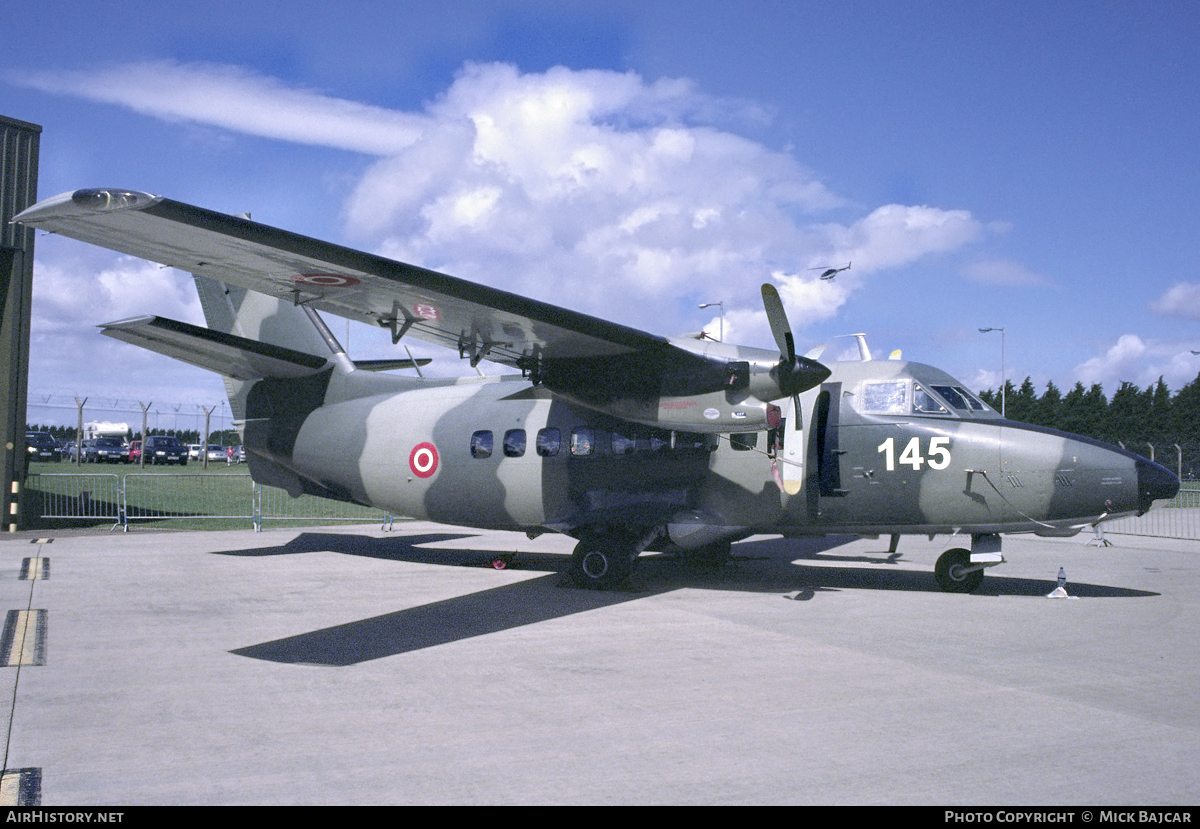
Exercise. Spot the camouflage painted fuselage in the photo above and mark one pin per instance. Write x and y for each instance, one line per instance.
(883, 453)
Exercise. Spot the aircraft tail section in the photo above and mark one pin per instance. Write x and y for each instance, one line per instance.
(273, 407)
(259, 317)
(267, 320)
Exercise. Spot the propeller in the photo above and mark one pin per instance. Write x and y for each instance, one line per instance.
(794, 375)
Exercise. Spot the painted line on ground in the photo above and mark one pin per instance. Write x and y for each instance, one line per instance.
(35, 569)
(23, 641)
(21, 787)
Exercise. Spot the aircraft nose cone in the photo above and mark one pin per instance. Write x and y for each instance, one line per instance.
(1155, 483)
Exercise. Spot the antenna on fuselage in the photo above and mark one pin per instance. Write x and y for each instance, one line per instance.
(864, 353)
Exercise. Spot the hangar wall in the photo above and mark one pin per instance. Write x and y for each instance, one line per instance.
(19, 142)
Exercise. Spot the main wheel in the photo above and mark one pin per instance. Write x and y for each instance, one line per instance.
(601, 563)
(952, 573)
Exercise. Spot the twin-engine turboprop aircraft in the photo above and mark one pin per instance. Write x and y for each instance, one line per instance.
(621, 439)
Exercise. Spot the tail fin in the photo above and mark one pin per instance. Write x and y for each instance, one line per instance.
(264, 319)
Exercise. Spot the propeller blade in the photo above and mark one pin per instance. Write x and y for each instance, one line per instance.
(779, 322)
(793, 374)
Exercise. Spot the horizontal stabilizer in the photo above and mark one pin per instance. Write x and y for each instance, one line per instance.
(226, 354)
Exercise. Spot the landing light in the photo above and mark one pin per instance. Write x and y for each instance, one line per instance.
(107, 199)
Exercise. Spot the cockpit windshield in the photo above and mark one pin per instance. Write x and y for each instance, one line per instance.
(905, 397)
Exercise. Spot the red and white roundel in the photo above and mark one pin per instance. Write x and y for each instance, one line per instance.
(423, 460)
(427, 312)
(326, 280)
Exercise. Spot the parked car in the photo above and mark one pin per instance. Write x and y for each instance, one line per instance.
(41, 446)
(216, 453)
(165, 449)
(81, 448)
(107, 450)
(194, 451)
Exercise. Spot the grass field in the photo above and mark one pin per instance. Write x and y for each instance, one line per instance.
(63, 495)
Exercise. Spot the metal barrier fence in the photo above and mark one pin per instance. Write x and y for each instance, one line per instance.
(76, 496)
(1178, 519)
(149, 496)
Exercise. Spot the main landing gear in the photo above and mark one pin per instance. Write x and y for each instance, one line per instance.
(602, 562)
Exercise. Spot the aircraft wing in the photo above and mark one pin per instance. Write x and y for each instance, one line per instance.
(481, 322)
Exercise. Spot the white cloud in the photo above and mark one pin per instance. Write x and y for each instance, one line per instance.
(896, 234)
(66, 291)
(1134, 360)
(601, 193)
(1181, 300)
(235, 98)
(1004, 273)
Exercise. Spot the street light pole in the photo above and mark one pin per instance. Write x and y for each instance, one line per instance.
(1003, 413)
(722, 306)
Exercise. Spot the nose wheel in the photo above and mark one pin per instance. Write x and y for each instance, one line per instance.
(956, 574)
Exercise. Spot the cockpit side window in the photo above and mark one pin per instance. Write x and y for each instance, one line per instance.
(960, 398)
(951, 396)
(926, 403)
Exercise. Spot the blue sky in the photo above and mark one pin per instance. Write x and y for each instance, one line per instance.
(1027, 165)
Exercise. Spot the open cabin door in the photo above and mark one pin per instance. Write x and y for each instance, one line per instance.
(791, 440)
(828, 450)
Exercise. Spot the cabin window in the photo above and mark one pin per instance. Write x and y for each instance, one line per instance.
(548, 442)
(583, 441)
(514, 443)
(481, 444)
(743, 441)
(885, 398)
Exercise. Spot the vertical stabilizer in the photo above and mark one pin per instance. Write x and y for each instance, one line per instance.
(255, 316)
(272, 411)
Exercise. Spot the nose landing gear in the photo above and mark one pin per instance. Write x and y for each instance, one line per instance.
(956, 574)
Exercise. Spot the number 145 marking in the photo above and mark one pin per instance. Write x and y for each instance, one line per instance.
(938, 456)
